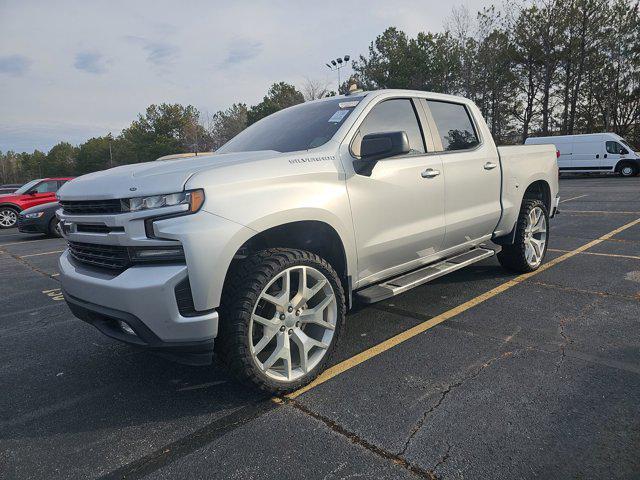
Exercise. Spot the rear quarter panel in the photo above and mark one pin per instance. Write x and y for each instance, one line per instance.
(523, 165)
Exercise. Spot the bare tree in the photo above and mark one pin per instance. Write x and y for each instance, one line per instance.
(313, 89)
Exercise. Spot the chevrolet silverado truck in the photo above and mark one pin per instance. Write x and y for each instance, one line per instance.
(263, 246)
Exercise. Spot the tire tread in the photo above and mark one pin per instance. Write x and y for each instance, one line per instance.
(247, 279)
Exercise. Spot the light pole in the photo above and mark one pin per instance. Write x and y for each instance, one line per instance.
(336, 65)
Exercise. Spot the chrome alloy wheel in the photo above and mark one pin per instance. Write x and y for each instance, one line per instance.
(535, 237)
(8, 217)
(293, 323)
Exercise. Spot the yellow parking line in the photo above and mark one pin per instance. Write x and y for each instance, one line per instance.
(423, 327)
(615, 255)
(43, 253)
(573, 198)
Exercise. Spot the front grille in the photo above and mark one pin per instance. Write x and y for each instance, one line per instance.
(107, 256)
(91, 207)
(97, 228)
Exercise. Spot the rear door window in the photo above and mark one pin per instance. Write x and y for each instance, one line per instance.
(454, 125)
(391, 116)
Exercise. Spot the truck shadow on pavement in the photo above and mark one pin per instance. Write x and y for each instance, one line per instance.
(101, 384)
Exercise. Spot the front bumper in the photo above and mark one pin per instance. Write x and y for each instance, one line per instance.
(109, 322)
(143, 297)
(32, 225)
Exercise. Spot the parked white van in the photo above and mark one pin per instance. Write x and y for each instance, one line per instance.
(593, 152)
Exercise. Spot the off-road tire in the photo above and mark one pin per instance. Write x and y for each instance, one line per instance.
(241, 292)
(512, 257)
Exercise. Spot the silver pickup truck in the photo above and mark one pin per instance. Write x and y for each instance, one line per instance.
(265, 244)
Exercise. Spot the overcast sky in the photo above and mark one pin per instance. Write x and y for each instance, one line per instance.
(71, 70)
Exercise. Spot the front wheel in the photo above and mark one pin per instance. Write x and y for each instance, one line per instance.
(628, 170)
(532, 234)
(54, 228)
(8, 217)
(281, 314)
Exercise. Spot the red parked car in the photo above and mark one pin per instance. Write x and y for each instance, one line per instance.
(36, 192)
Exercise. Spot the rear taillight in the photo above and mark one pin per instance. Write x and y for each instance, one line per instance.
(557, 153)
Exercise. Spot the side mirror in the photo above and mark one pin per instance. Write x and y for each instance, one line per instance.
(377, 146)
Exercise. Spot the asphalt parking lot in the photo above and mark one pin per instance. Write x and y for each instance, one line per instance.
(480, 374)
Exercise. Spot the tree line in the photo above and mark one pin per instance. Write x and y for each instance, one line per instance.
(162, 130)
(555, 67)
(552, 67)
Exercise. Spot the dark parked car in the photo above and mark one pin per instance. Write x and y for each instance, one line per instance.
(8, 188)
(40, 219)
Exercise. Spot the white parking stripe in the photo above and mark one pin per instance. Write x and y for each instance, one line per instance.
(26, 242)
(573, 198)
(38, 254)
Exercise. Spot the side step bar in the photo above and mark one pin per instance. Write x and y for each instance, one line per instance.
(407, 281)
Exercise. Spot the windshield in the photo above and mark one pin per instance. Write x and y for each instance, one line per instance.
(25, 188)
(626, 144)
(301, 127)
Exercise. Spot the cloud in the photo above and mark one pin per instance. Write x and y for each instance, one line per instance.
(158, 53)
(243, 50)
(14, 65)
(90, 62)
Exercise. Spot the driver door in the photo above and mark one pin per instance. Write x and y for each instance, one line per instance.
(397, 210)
(43, 192)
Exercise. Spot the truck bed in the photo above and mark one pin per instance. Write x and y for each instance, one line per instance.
(520, 165)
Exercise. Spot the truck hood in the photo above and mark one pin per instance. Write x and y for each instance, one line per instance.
(152, 178)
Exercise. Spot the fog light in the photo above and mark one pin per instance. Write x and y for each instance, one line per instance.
(126, 328)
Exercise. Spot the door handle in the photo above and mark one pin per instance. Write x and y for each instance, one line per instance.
(490, 166)
(430, 173)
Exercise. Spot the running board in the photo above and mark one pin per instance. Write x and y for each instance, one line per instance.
(407, 281)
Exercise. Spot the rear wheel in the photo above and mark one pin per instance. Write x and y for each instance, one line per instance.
(281, 315)
(8, 217)
(627, 169)
(532, 234)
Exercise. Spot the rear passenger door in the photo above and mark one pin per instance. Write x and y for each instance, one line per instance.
(472, 177)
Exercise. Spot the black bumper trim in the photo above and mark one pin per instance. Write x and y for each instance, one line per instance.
(106, 320)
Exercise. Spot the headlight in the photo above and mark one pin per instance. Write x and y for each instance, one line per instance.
(194, 199)
(33, 215)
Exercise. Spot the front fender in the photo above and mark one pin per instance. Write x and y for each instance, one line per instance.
(210, 243)
(303, 214)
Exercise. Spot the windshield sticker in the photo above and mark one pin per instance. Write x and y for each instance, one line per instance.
(338, 116)
(312, 159)
(350, 104)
